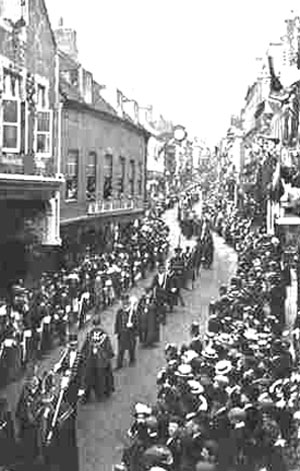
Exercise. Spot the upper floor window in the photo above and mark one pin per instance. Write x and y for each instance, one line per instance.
(108, 175)
(11, 112)
(87, 86)
(140, 179)
(121, 188)
(91, 172)
(72, 165)
(132, 177)
(44, 123)
(44, 132)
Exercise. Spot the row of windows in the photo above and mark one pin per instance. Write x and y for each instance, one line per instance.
(72, 176)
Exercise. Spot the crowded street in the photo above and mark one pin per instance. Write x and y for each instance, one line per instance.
(108, 422)
(150, 235)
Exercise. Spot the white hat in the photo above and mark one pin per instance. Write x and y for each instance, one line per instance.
(195, 387)
(223, 367)
(184, 371)
(251, 334)
(210, 353)
(189, 355)
(142, 409)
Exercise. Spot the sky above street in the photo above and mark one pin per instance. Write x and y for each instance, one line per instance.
(193, 59)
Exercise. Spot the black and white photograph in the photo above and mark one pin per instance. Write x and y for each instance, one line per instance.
(149, 235)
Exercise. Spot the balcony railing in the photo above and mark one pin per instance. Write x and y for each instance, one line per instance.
(14, 164)
(119, 205)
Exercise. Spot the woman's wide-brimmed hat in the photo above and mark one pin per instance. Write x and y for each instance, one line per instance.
(223, 367)
(184, 371)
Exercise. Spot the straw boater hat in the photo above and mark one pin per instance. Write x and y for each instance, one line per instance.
(142, 410)
(184, 371)
(210, 353)
(189, 356)
(223, 367)
(195, 387)
(225, 340)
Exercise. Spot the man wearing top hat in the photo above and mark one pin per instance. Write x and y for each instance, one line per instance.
(99, 375)
(126, 329)
(149, 319)
(161, 291)
(177, 266)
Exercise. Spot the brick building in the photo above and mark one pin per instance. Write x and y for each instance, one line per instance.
(103, 153)
(29, 180)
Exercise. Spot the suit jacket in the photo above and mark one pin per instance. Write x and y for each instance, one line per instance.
(100, 348)
(122, 318)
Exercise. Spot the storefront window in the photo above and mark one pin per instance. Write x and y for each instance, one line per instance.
(72, 175)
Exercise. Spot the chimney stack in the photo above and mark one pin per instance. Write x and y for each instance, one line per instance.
(66, 39)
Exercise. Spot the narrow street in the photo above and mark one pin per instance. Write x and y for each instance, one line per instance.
(102, 426)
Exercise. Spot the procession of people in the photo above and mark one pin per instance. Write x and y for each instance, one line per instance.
(35, 320)
(45, 417)
(230, 400)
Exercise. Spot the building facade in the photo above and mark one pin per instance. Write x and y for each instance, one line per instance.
(29, 167)
(103, 159)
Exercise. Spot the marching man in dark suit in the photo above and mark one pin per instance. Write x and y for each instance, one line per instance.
(99, 375)
(149, 321)
(126, 328)
(159, 287)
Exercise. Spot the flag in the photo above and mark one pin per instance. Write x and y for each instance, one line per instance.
(277, 188)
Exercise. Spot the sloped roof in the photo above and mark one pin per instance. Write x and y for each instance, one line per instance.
(103, 105)
(71, 92)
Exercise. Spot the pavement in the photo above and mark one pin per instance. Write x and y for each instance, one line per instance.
(102, 426)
